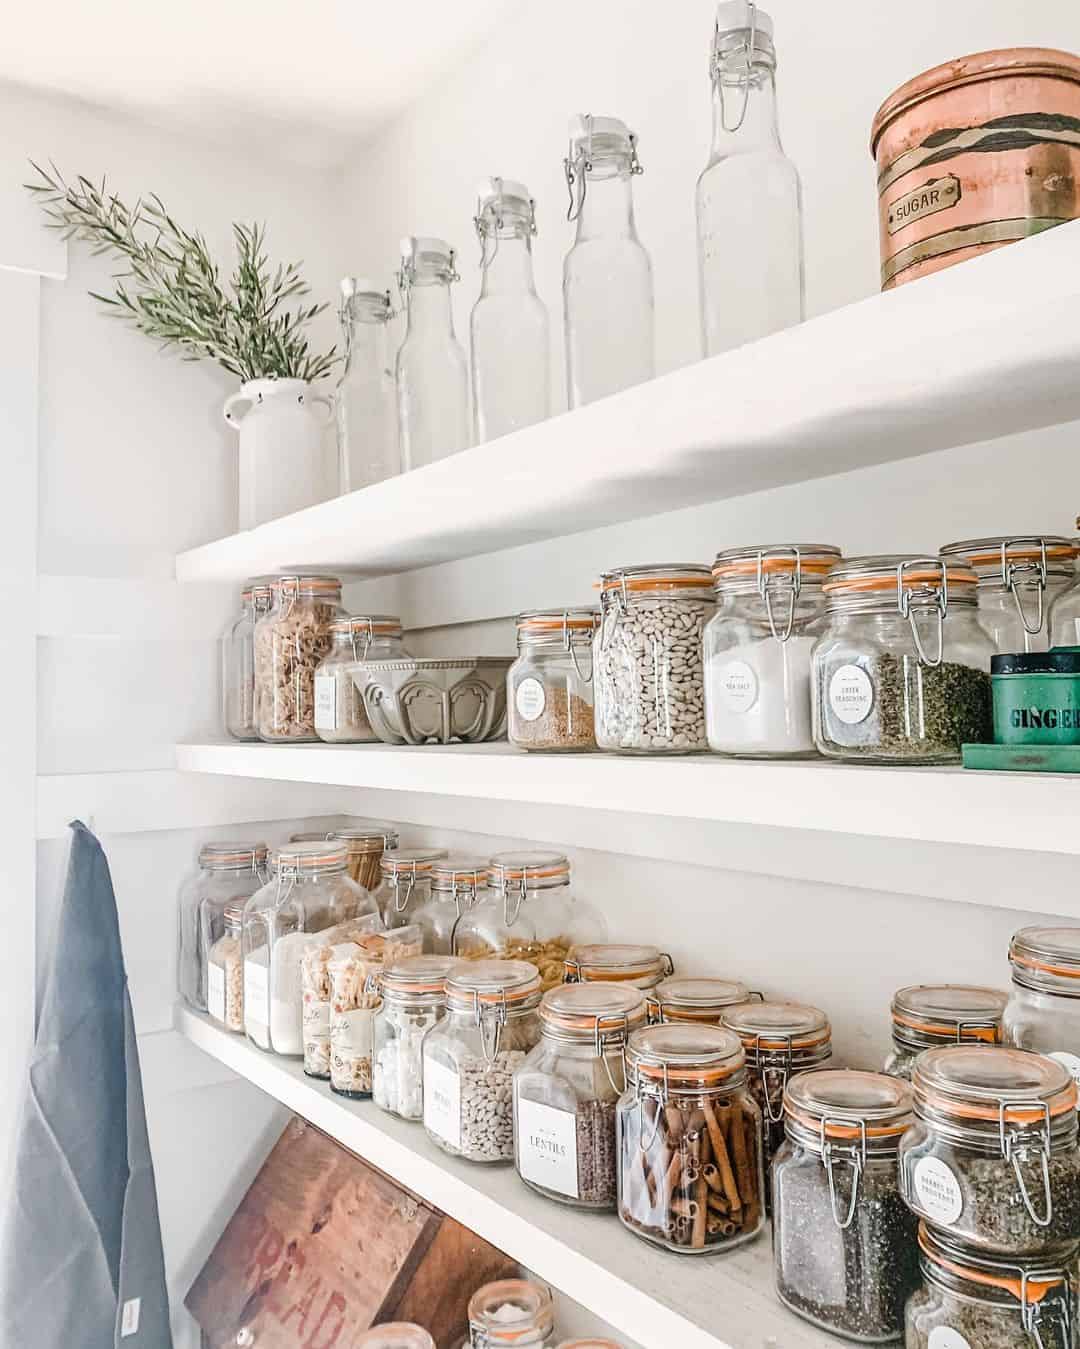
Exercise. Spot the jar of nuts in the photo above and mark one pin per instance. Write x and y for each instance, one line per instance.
(290, 643)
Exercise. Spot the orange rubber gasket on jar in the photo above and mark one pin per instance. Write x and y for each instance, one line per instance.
(816, 1123)
(911, 580)
(986, 1034)
(1061, 1103)
(1036, 1287)
(1065, 971)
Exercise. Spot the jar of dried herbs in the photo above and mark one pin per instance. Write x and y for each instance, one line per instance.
(975, 1300)
(340, 717)
(902, 670)
(1044, 1011)
(549, 688)
(405, 884)
(926, 1016)
(566, 1091)
(642, 967)
(290, 643)
(689, 1141)
(511, 1312)
(992, 1157)
(458, 881)
(413, 1000)
(365, 844)
(1020, 578)
(843, 1240)
(703, 1001)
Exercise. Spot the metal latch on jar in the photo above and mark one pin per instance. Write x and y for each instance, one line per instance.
(1050, 1311)
(841, 1154)
(1018, 1143)
(932, 598)
(1011, 570)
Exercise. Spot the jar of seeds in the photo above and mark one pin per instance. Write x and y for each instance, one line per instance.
(701, 1001)
(1044, 1011)
(992, 1157)
(617, 963)
(649, 685)
(566, 1091)
(405, 885)
(926, 1016)
(227, 873)
(1019, 580)
(471, 1056)
(225, 972)
(290, 643)
(413, 1000)
(975, 1300)
(458, 881)
(365, 844)
(902, 669)
(843, 1240)
(549, 690)
(689, 1141)
(531, 913)
(340, 717)
(511, 1312)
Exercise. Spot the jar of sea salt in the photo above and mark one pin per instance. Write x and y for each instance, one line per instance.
(757, 648)
(514, 1312)
(926, 1016)
(413, 1000)
(1044, 1010)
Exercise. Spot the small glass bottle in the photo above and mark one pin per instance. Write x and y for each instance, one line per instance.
(1044, 1011)
(607, 275)
(458, 881)
(340, 717)
(366, 405)
(413, 1000)
(238, 661)
(513, 1312)
(549, 688)
(395, 1335)
(405, 885)
(749, 201)
(508, 329)
(432, 370)
(925, 1016)
(290, 643)
(225, 972)
(1021, 579)
(228, 872)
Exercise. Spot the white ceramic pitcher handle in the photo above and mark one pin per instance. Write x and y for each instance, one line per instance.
(229, 410)
(325, 400)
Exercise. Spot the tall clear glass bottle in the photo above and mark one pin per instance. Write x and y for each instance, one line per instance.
(749, 200)
(607, 275)
(366, 405)
(508, 330)
(432, 370)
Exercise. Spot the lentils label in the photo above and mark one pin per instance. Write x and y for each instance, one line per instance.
(547, 1147)
(851, 694)
(442, 1101)
(944, 1337)
(738, 686)
(529, 699)
(937, 1190)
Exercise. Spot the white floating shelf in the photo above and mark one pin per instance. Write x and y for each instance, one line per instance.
(657, 1299)
(975, 352)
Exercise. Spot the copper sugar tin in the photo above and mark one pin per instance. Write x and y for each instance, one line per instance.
(974, 154)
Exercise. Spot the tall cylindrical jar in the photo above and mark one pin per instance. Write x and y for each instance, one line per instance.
(843, 1239)
(1044, 1010)
(508, 328)
(405, 884)
(647, 655)
(413, 1000)
(366, 404)
(749, 200)
(432, 370)
(901, 672)
(926, 1016)
(549, 688)
(511, 1312)
(340, 716)
(1020, 579)
(238, 662)
(458, 882)
(290, 643)
(607, 275)
(758, 646)
(227, 873)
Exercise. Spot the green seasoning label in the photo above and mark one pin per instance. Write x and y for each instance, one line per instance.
(938, 194)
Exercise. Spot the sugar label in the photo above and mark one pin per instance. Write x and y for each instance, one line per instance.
(738, 686)
(326, 703)
(442, 1101)
(937, 1191)
(529, 699)
(851, 694)
(944, 1337)
(215, 991)
(547, 1147)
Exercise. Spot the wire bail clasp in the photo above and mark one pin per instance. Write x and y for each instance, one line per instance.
(849, 1155)
(1048, 1310)
(1018, 1144)
(765, 589)
(1010, 571)
(745, 81)
(932, 598)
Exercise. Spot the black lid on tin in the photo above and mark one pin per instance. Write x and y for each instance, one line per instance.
(1058, 660)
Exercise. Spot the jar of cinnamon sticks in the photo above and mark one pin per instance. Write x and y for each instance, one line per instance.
(690, 1167)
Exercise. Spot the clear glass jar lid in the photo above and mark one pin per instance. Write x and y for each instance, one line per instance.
(494, 983)
(366, 626)
(778, 1027)
(1042, 1284)
(928, 1014)
(505, 1312)
(736, 20)
(1004, 558)
(232, 856)
(561, 626)
(902, 579)
(682, 1057)
(362, 299)
(845, 1105)
(317, 585)
(526, 871)
(417, 976)
(614, 962)
(592, 1012)
(678, 998)
(299, 859)
(979, 1085)
(409, 861)
(794, 564)
(395, 1335)
(1047, 959)
(371, 836)
(459, 874)
(657, 576)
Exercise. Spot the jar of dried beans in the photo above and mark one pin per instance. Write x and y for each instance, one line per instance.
(617, 963)
(992, 1157)
(225, 972)
(340, 717)
(702, 1001)
(566, 1091)
(926, 1016)
(549, 690)
(902, 669)
(531, 913)
(649, 685)
(1019, 580)
(458, 881)
(689, 1141)
(290, 643)
(227, 873)
(413, 1000)
(364, 846)
(470, 1058)
(238, 661)
(976, 1300)
(511, 1312)
(757, 648)
(1044, 1010)
(405, 884)
(843, 1239)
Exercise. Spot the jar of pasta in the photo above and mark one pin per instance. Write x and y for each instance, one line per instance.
(1020, 578)
(703, 1001)
(458, 881)
(549, 691)
(413, 1000)
(926, 1016)
(1044, 1010)
(617, 963)
(340, 717)
(405, 884)
(290, 644)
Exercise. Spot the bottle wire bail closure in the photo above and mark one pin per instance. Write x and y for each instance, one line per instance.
(744, 82)
(577, 166)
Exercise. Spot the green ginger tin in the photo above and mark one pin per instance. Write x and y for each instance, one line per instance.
(1037, 697)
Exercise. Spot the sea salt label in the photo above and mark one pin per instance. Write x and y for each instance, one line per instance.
(851, 694)
(547, 1147)
(738, 686)
(937, 1190)
(442, 1101)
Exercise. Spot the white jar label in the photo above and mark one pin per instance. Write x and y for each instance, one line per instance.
(316, 1018)
(547, 1147)
(256, 995)
(351, 1032)
(1071, 1062)
(851, 694)
(937, 1190)
(738, 686)
(944, 1337)
(529, 699)
(215, 991)
(442, 1101)
(326, 702)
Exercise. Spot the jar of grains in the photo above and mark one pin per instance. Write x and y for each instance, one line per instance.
(238, 661)
(975, 1300)
(703, 1001)
(992, 1157)
(926, 1016)
(405, 884)
(394, 1335)
(689, 1141)
(549, 690)
(227, 873)
(310, 892)
(365, 844)
(616, 963)
(531, 914)
(566, 1091)
(1019, 580)
(1044, 1010)
(290, 643)
(650, 697)
(413, 1000)
(458, 881)
(843, 1239)
(757, 648)
(471, 1056)
(513, 1312)
(340, 717)
(225, 972)
(902, 670)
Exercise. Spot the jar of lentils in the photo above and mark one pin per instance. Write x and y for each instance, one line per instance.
(458, 881)
(413, 1000)
(700, 1001)
(406, 883)
(1020, 579)
(843, 1239)
(616, 963)
(1044, 1011)
(902, 669)
(511, 1312)
(926, 1016)
(992, 1157)
(471, 1056)
(290, 643)
(549, 691)
(340, 717)
(565, 1093)
(649, 683)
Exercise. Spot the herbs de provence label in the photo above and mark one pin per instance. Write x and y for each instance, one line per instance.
(547, 1147)
(937, 1190)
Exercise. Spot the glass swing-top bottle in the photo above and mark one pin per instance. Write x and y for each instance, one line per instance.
(367, 433)
(749, 201)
